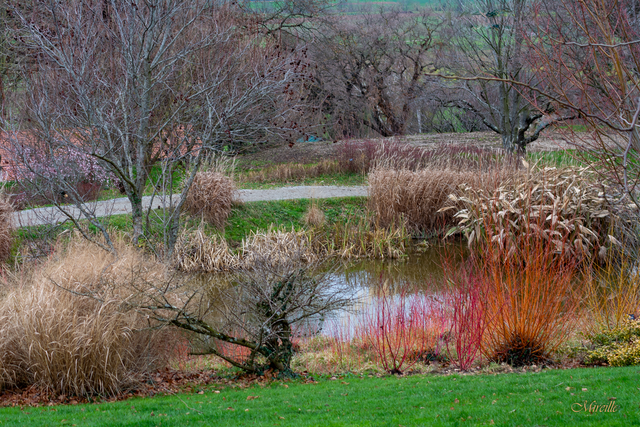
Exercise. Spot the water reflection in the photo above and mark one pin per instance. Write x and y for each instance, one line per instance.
(418, 279)
(422, 269)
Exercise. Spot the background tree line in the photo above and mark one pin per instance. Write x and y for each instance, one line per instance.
(138, 85)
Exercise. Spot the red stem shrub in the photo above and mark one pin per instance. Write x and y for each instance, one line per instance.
(467, 307)
(402, 329)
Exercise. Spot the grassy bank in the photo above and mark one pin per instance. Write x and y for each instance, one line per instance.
(244, 218)
(550, 398)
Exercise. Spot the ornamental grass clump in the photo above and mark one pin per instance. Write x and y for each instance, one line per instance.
(361, 237)
(70, 328)
(211, 197)
(197, 251)
(277, 246)
(568, 208)
(419, 196)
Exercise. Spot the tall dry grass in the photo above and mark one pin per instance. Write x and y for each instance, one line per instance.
(418, 197)
(69, 328)
(211, 197)
(314, 216)
(292, 172)
(566, 207)
(362, 237)
(197, 251)
(611, 296)
(277, 246)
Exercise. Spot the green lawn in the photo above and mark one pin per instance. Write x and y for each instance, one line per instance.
(288, 213)
(549, 398)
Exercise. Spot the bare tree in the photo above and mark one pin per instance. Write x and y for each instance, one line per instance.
(487, 49)
(371, 69)
(252, 319)
(136, 84)
(588, 57)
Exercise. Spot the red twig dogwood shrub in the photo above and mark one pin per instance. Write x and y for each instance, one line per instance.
(466, 305)
(401, 329)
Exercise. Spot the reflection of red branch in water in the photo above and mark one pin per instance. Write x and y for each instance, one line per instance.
(402, 328)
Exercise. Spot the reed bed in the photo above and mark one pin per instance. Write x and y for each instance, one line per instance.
(418, 197)
(67, 327)
(362, 238)
(277, 246)
(292, 172)
(197, 251)
(211, 197)
(566, 207)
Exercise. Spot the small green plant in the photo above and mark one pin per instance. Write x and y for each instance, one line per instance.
(618, 346)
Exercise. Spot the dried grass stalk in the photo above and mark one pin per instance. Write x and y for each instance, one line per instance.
(68, 327)
(197, 252)
(211, 196)
(7, 227)
(277, 246)
(419, 196)
(292, 172)
(314, 216)
(566, 207)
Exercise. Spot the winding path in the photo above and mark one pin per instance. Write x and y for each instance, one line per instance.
(51, 215)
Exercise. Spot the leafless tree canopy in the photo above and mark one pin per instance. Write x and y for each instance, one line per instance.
(133, 84)
(371, 69)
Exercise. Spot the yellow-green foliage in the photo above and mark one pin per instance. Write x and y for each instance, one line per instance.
(619, 346)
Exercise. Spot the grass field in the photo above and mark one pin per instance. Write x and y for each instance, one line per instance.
(548, 398)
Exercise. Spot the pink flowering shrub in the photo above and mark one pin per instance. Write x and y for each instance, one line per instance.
(69, 174)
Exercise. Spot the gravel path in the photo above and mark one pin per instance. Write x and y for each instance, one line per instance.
(51, 215)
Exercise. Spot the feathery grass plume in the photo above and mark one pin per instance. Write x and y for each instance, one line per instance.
(69, 327)
(7, 227)
(314, 216)
(198, 252)
(211, 196)
(567, 207)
